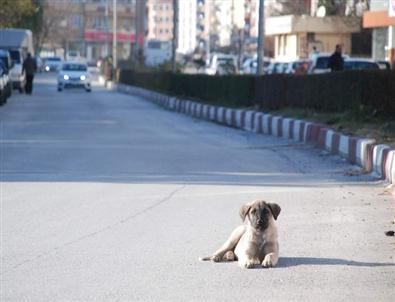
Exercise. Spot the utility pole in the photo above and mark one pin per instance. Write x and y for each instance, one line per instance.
(114, 33)
(107, 30)
(83, 6)
(175, 36)
(261, 37)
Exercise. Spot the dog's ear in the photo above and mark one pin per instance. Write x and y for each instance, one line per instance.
(275, 209)
(244, 210)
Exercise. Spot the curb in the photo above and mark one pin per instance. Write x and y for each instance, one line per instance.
(376, 159)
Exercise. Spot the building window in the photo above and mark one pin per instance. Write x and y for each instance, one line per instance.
(76, 21)
(99, 22)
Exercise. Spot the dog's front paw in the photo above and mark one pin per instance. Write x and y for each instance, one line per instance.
(216, 258)
(229, 256)
(269, 261)
(250, 264)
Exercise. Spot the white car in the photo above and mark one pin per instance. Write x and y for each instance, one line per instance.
(74, 74)
(319, 63)
(221, 64)
(52, 63)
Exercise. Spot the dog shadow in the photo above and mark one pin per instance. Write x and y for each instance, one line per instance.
(285, 262)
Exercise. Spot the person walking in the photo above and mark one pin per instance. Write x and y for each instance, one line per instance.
(29, 67)
(336, 61)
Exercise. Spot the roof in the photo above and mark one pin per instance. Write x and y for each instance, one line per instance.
(14, 38)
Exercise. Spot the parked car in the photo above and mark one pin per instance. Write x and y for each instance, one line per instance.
(384, 64)
(217, 63)
(360, 64)
(297, 67)
(3, 83)
(7, 82)
(74, 74)
(319, 63)
(52, 63)
(18, 42)
(17, 75)
(250, 65)
(6, 62)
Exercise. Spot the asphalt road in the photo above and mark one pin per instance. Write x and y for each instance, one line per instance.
(107, 197)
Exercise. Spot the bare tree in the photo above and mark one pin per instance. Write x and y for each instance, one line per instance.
(288, 7)
(54, 30)
(12, 12)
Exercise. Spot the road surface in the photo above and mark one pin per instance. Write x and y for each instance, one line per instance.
(107, 197)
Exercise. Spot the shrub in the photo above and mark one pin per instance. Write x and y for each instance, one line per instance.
(365, 93)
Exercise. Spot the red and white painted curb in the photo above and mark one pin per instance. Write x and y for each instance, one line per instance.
(378, 159)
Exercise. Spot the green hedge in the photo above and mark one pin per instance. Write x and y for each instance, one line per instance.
(363, 92)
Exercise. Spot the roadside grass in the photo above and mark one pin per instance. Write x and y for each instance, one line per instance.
(349, 123)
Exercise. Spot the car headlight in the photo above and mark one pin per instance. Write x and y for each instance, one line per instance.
(47, 68)
(83, 77)
(66, 77)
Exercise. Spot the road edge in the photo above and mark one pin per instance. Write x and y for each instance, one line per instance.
(377, 159)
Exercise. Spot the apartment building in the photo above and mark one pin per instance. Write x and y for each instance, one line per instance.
(160, 20)
(381, 19)
(87, 26)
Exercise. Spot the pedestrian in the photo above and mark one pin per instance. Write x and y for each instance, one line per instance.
(336, 61)
(29, 67)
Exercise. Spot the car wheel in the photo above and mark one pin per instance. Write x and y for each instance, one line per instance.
(60, 89)
(88, 90)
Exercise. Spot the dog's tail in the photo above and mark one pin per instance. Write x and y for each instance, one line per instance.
(205, 258)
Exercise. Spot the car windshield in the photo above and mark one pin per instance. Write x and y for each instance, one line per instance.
(222, 61)
(55, 59)
(15, 56)
(74, 67)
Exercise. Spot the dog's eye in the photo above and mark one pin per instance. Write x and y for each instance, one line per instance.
(253, 211)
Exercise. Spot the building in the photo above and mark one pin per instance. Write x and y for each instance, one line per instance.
(187, 29)
(86, 26)
(160, 23)
(381, 19)
(160, 20)
(98, 24)
(295, 36)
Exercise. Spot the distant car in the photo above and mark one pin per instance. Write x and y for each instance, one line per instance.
(360, 64)
(73, 55)
(39, 63)
(74, 74)
(319, 63)
(250, 65)
(52, 63)
(219, 61)
(298, 67)
(384, 64)
(225, 68)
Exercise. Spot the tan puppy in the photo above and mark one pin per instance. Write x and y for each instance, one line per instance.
(254, 242)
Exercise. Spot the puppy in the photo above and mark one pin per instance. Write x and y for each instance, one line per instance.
(254, 242)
